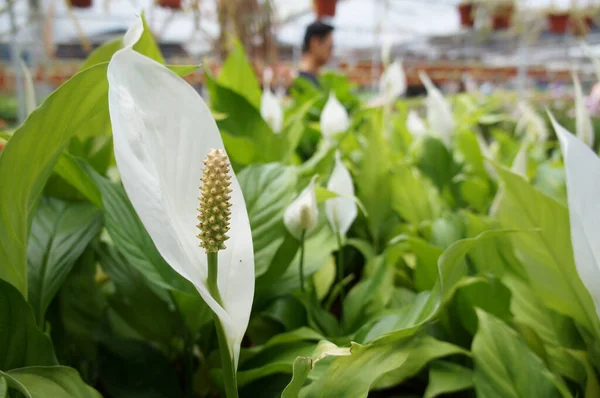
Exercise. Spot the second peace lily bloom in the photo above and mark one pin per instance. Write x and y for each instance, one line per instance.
(162, 131)
(334, 118)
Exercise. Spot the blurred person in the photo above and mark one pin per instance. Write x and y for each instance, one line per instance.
(317, 48)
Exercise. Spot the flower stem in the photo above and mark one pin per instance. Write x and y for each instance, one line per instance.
(340, 273)
(229, 374)
(302, 236)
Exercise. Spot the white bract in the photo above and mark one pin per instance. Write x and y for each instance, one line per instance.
(583, 122)
(393, 82)
(439, 111)
(302, 214)
(582, 168)
(162, 131)
(334, 118)
(386, 51)
(342, 210)
(531, 124)
(415, 125)
(271, 110)
(28, 85)
(267, 76)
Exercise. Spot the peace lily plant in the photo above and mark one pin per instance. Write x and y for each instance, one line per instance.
(334, 118)
(439, 111)
(270, 106)
(177, 175)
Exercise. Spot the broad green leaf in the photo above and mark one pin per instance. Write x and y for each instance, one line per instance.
(135, 303)
(504, 365)
(71, 171)
(268, 189)
(147, 45)
(426, 265)
(103, 53)
(470, 153)
(3, 388)
(22, 343)
(49, 381)
(383, 363)
(301, 369)
(435, 161)
(60, 232)
(136, 369)
(238, 75)
(414, 198)
(447, 377)
(546, 255)
(132, 239)
(489, 295)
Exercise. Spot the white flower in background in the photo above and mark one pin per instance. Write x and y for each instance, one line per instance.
(519, 165)
(162, 131)
(267, 76)
(392, 83)
(439, 111)
(302, 214)
(583, 122)
(531, 124)
(30, 98)
(582, 168)
(342, 210)
(271, 110)
(334, 118)
(386, 51)
(415, 125)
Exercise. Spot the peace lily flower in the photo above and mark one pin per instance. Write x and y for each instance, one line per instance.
(532, 124)
(386, 51)
(519, 165)
(415, 125)
(342, 210)
(392, 83)
(439, 111)
(300, 217)
(582, 168)
(176, 173)
(334, 118)
(584, 126)
(270, 110)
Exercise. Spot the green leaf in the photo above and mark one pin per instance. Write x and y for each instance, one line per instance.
(427, 256)
(22, 343)
(447, 377)
(490, 295)
(383, 363)
(238, 75)
(49, 381)
(267, 189)
(132, 239)
(504, 365)
(546, 253)
(301, 369)
(103, 53)
(60, 232)
(414, 198)
(71, 171)
(135, 369)
(435, 161)
(134, 302)
(3, 388)
(147, 45)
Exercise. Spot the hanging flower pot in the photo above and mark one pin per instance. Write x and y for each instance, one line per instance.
(580, 24)
(325, 8)
(558, 22)
(467, 11)
(81, 3)
(172, 4)
(502, 16)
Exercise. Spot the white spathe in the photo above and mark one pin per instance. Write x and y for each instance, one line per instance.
(519, 164)
(582, 168)
(531, 124)
(302, 214)
(415, 125)
(386, 51)
(342, 210)
(271, 110)
(334, 118)
(583, 123)
(162, 131)
(392, 83)
(439, 111)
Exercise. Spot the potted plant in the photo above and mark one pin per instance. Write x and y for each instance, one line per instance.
(466, 10)
(324, 8)
(81, 3)
(172, 4)
(558, 20)
(502, 12)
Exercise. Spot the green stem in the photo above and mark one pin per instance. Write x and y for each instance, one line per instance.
(229, 374)
(302, 236)
(340, 273)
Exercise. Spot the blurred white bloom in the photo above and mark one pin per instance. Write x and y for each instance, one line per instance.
(30, 99)
(582, 168)
(267, 76)
(519, 165)
(342, 210)
(386, 51)
(439, 111)
(162, 132)
(415, 125)
(584, 126)
(302, 214)
(271, 110)
(392, 83)
(334, 118)
(531, 124)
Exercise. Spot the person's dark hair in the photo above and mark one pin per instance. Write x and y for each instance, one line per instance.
(315, 29)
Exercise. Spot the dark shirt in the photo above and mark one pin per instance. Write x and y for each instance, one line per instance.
(309, 76)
